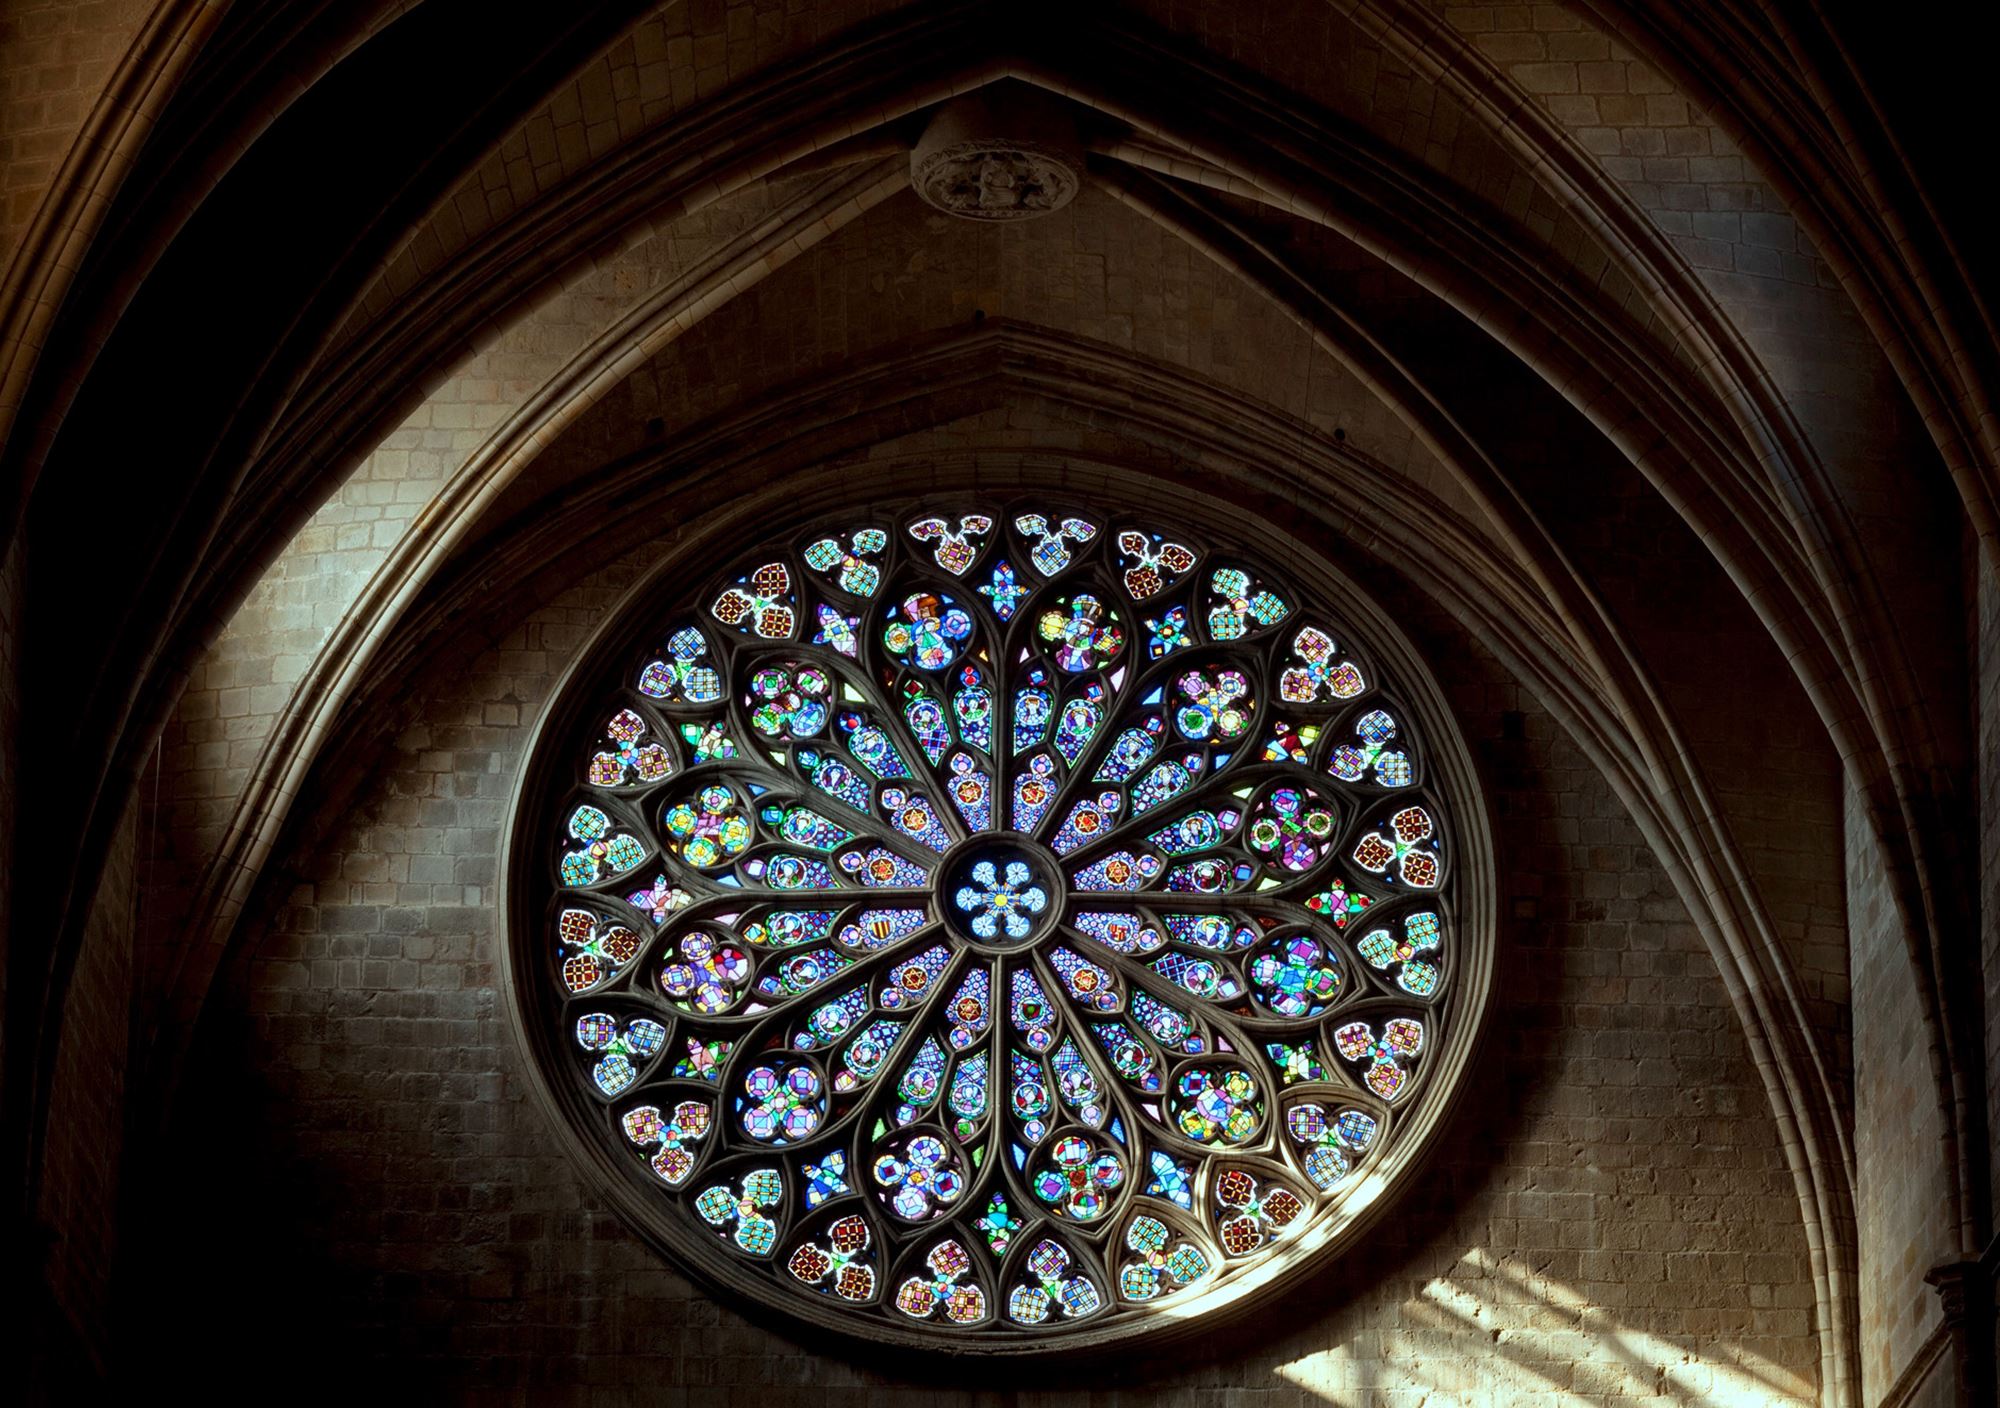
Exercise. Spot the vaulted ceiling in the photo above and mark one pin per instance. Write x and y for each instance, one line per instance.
(1516, 305)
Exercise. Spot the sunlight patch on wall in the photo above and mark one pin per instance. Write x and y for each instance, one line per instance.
(1550, 1345)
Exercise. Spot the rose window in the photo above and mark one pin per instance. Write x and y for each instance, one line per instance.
(987, 928)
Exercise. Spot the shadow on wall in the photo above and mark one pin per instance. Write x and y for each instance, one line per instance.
(359, 1195)
(339, 1227)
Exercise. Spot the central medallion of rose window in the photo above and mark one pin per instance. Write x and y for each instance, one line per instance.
(985, 925)
(1001, 892)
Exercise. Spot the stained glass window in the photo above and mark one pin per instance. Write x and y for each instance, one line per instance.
(991, 926)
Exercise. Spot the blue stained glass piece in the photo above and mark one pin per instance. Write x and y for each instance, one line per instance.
(1004, 592)
(1077, 726)
(971, 791)
(972, 706)
(913, 815)
(871, 746)
(1122, 932)
(1131, 750)
(1034, 793)
(1031, 717)
(826, 1179)
(968, 1087)
(1172, 1181)
(1121, 870)
(835, 778)
(1165, 782)
(879, 928)
(878, 866)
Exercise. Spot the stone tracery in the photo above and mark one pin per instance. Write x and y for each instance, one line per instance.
(1001, 909)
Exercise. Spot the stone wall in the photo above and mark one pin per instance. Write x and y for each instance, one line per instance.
(358, 1187)
(56, 57)
(1609, 1216)
(83, 1163)
(235, 696)
(1902, 1206)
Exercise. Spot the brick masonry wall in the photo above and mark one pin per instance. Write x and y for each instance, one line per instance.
(236, 695)
(676, 58)
(900, 272)
(1674, 161)
(56, 56)
(1758, 263)
(1778, 785)
(424, 891)
(1900, 1186)
(1100, 272)
(1608, 1218)
(1104, 273)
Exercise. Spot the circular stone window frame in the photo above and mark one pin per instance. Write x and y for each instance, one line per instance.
(734, 532)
